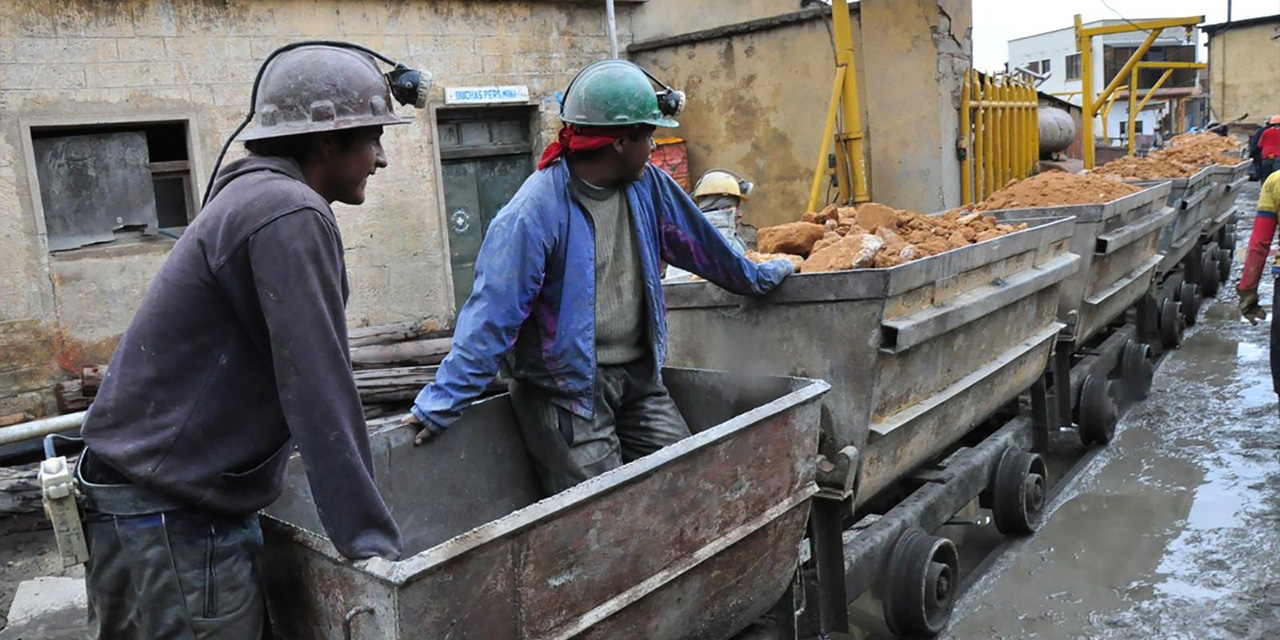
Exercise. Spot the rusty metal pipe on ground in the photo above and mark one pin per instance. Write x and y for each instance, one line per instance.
(40, 428)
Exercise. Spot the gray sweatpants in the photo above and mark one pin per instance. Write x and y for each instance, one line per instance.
(635, 416)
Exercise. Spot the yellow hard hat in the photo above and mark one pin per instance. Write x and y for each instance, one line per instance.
(722, 182)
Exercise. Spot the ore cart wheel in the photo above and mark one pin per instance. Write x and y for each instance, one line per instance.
(922, 577)
(1224, 265)
(1098, 412)
(1230, 244)
(1018, 492)
(1210, 274)
(1136, 370)
(1170, 325)
(1190, 303)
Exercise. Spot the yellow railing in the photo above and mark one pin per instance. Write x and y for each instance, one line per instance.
(1000, 132)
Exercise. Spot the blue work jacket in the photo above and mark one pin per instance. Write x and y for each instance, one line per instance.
(535, 290)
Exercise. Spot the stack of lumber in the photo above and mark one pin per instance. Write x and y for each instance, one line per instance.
(392, 363)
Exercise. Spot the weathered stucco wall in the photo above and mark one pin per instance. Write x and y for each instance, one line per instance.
(917, 52)
(757, 102)
(758, 99)
(88, 61)
(665, 18)
(1239, 82)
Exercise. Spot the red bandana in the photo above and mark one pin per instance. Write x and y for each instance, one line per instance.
(575, 138)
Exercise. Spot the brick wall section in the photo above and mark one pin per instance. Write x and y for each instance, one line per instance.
(96, 60)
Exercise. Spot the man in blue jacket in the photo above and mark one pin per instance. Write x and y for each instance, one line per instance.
(567, 281)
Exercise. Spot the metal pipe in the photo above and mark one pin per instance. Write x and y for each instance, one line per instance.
(1084, 45)
(1033, 130)
(1106, 113)
(979, 144)
(828, 132)
(613, 29)
(40, 428)
(1006, 124)
(966, 162)
(1011, 127)
(1133, 102)
(1114, 85)
(851, 112)
(1165, 76)
(1028, 110)
(997, 138)
(1006, 91)
(988, 133)
(1141, 105)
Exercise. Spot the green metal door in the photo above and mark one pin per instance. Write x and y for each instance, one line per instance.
(486, 155)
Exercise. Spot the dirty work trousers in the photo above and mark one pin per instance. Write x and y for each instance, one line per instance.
(1269, 166)
(635, 416)
(1275, 337)
(158, 571)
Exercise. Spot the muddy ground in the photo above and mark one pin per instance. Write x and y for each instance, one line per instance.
(27, 551)
(1173, 531)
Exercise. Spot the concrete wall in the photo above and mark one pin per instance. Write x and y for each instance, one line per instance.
(84, 61)
(1239, 81)
(756, 107)
(915, 53)
(665, 18)
(758, 99)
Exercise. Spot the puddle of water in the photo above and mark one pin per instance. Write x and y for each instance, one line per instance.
(1217, 502)
(1248, 352)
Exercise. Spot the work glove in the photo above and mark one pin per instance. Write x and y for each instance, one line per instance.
(788, 267)
(426, 431)
(1249, 307)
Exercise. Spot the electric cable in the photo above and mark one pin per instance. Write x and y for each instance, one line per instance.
(253, 96)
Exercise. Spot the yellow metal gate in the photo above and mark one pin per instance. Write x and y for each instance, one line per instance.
(1000, 132)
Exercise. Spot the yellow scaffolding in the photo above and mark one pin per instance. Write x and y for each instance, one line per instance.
(1093, 104)
(1000, 132)
(844, 122)
(1136, 107)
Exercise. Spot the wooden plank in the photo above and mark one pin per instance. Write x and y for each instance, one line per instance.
(169, 167)
(71, 397)
(20, 488)
(402, 385)
(414, 353)
(91, 379)
(391, 333)
(11, 419)
(399, 384)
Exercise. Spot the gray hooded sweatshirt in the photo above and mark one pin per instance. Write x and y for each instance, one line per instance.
(237, 354)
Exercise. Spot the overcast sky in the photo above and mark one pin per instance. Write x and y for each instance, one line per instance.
(996, 22)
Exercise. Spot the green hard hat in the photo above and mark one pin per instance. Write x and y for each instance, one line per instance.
(617, 93)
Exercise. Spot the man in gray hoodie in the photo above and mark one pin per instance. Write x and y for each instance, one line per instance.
(237, 356)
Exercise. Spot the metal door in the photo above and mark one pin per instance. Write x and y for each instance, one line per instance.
(485, 155)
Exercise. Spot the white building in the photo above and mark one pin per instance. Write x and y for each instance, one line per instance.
(1053, 56)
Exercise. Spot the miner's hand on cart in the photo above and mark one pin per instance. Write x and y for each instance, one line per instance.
(568, 291)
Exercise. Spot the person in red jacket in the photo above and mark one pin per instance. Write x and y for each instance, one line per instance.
(1269, 146)
(1264, 230)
